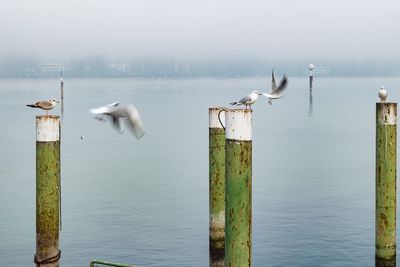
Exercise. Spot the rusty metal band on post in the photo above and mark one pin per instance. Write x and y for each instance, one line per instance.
(216, 187)
(47, 190)
(238, 196)
(385, 194)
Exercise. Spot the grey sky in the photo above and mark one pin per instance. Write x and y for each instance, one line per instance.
(357, 29)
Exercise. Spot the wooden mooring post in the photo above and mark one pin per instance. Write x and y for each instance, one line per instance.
(238, 195)
(47, 191)
(217, 186)
(385, 194)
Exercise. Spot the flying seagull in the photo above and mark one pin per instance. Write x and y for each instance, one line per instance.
(247, 100)
(382, 94)
(276, 91)
(117, 113)
(45, 105)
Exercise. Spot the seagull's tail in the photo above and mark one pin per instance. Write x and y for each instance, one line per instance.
(234, 103)
(32, 106)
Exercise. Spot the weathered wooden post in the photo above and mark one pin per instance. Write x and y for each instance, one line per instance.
(385, 210)
(217, 186)
(238, 209)
(47, 190)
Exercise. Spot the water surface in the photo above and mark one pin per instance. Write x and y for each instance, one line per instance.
(146, 202)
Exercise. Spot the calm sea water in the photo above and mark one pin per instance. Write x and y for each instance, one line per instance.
(146, 202)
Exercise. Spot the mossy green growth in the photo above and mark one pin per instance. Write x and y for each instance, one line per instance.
(47, 199)
(238, 214)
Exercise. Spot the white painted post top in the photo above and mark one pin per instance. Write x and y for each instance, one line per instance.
(47, 128)
(238, 124)
(386, 113)
(213, 117)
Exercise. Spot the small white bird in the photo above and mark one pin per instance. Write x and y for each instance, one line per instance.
(382, 94)
(45, 105)
(129, 113)
(247, 100)
(276, 91)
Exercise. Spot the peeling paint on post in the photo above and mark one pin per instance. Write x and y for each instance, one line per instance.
(385, 194)
(217, 186)
(238, 209)
(47, 190)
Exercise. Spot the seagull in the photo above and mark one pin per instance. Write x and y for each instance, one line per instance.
(276, 91)
(45, 105)
(247, 100)
(382, 94)
(116, 113)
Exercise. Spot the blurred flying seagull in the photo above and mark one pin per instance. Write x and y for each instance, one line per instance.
(247, 100)
(276, 91)
(116, 113)
(382, 94)
(45, 105)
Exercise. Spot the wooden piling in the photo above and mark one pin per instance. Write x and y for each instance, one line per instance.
(47, 191)
(238, 195)
(385, 194)
(217, 186)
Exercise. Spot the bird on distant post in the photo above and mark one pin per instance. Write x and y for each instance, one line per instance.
(276, 91)
(247, 100)
(382, 94)
(45, 105)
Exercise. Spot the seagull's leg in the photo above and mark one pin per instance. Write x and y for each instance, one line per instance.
(270, 101)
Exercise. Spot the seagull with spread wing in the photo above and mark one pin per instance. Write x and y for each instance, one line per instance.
(117, 113)
(276, 91)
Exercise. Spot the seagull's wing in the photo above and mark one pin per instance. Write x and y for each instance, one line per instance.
(115, 104)
(245, 99)
(273, 85)
(134, 121)
(100, 110)
(282, 85)
(104, 109)
(43, 104)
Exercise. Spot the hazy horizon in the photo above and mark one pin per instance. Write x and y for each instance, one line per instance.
(207, 30)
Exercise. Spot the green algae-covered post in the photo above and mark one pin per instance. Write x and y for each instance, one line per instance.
(238, 161)
(217, 186)
(385, 210)
(47, 190)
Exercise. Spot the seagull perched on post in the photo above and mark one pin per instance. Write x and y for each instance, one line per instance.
(116, 113)
(45, 105)
(382, 94)
(247, 100)
(276, 91)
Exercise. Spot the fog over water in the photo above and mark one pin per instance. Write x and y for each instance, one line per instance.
(359, 30)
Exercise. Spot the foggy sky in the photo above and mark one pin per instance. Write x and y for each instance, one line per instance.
(288, 29)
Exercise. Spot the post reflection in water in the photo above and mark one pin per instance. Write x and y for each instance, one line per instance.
(311, 103)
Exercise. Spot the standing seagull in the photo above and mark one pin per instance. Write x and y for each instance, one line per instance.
(276, 91)
(382, 94)
(115, 112)
(247, 100)
(45, 105)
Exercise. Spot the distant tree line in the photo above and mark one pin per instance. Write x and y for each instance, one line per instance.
(169, 68)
